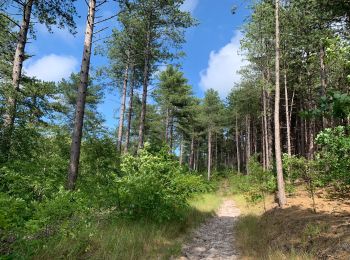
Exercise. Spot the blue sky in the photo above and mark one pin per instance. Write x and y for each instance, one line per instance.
(212, 50)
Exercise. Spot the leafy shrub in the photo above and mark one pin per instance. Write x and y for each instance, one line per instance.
(334, 156)
(13, 211)
(155, 186)
(52, 212)
(261, 181)
(257, 184)
(303, 169)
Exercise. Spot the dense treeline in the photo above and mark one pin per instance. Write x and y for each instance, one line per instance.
(59, 165)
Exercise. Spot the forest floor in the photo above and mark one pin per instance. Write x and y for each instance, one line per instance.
(295, 232)
(215, 238)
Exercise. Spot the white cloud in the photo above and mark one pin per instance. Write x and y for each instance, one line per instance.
(223, 66)
(62, 34)
(51, 67)
(189, 5)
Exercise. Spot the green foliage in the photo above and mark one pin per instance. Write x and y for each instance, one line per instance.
(261, 181)
(155, 186)
(303, 169)
(257, 184)
(34, 204)
(212, 111)
(334, 155)
(335, 105)
(12, 211)
(56, 210)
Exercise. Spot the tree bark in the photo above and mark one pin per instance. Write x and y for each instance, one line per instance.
(279, 168)
(167, 126)
(263, 144)
(248, 145)
(266, 141)
(289, 148)
(323, 80)
(269, 132)
(237, 148)
(209, 154)
(11, 106)
(216, 151)
(181, 151)
(81, 98)
(191, 161)
(196, 164)
(145, 88)
(131, 97)
(171, 133)
(122, 108)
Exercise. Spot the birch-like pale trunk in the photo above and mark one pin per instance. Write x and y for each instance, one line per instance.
(122, 108)
(278, 154)
(81, 98)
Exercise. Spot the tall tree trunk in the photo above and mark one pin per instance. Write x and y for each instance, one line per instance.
(265, 126)
(269, 123)
(191, 161)
(263, 144)
(280, 180)
(81, 98)
(237, 148)
(248, 145)
(196, 163)
(311, 132)
(131, 97)
(216, 151)
(145, 88)
(11, 106)
(323, 80)
(181, 151)
(167, 120)
(209, 154)
(302, 140)
(171, 133)
(255, 139)
(289, 148)
(122, 108)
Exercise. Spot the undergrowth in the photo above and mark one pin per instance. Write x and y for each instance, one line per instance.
(115, 238)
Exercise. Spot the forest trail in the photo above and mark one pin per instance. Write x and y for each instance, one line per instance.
(214, 239)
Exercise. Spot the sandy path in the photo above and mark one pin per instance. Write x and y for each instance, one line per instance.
(215, 238)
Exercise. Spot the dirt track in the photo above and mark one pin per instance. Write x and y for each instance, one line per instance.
(214, 239)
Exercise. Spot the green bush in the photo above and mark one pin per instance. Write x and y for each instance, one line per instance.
(155, 186)
(334, 155)
(256, 184)
(13, 211)
(53, 212)
(261, 181)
